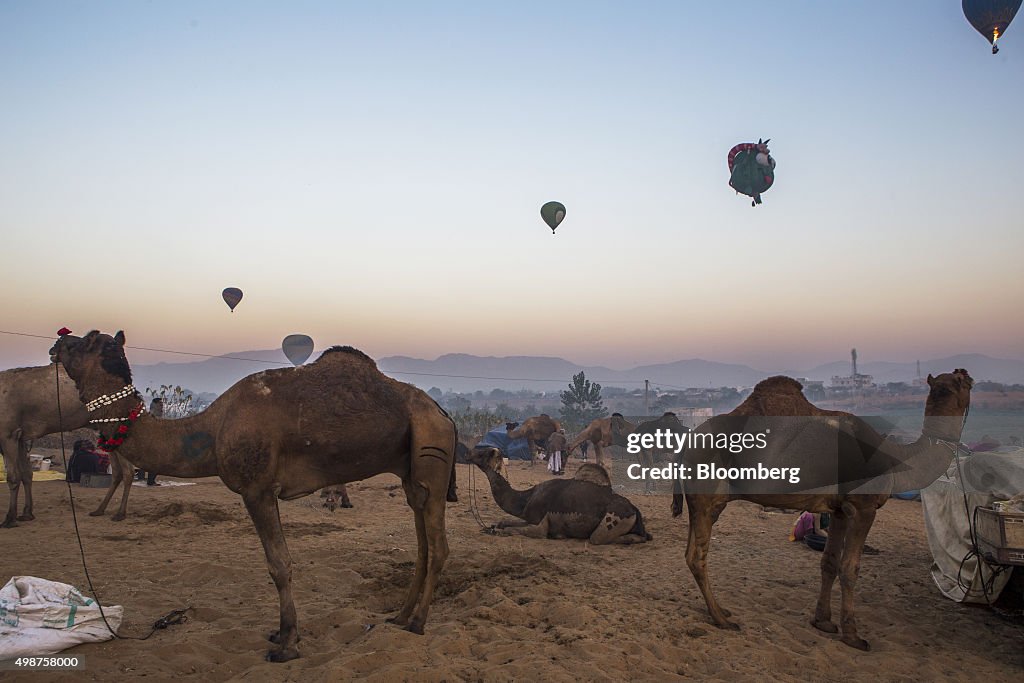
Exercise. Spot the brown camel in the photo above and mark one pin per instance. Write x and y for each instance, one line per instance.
(536, 431)
(855, 444)
(283, 434)
(667, 422)
(335, 495)
(604, 432)
(582, 507)
(28, 410)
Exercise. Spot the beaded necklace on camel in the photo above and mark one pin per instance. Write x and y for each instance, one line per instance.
(124, 423)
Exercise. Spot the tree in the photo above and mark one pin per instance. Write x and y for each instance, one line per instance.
(177, 402)
(435, 393)
(582, 402)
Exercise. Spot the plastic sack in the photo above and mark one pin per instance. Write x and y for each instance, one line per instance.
(40, 617)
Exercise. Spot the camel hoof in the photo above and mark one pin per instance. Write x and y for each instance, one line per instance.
(415, 627)
(824, 625)
(26, 518)
(97, 513)
(397, 620)
(857, 643)
(726, 612)
(283, 655)
(9, 523)
(275, 638)
(727, 625)
(347, 505)
(117, 518)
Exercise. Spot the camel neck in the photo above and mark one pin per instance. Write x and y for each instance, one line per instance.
(177, 448)
(508, 499)
(921, 463)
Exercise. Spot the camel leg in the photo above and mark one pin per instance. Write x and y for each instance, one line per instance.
(433, 457)
(612, 528)
(262, 507)
(11, 447)
(526, 529)
(599, 456)
(647, 460)
(126, 471)
(422, 556)
(345, 502)
(849, 568)
(703, 516)
(111, 488)
(829, 570)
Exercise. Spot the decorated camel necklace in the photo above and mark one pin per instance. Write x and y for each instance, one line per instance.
(124, 423)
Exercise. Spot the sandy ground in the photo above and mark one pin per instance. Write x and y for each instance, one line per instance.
(507, 608)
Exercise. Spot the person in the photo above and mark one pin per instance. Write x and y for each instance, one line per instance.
(556, 445)
(156, 409)
(86, 459)
(583, 449)
(812, 529)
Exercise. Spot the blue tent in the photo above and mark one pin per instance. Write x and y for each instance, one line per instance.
(513, 449)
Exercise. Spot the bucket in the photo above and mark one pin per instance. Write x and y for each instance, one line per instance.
(44, 466)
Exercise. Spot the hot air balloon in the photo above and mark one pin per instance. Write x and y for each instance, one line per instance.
(552, 213)
(751, 169)
(991, 17)
(298, 348)
(232, 295)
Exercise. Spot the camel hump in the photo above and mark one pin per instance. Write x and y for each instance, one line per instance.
(779, 384)
(349, 350)
(595, 474)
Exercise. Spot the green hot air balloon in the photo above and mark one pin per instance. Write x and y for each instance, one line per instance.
(298, 348)
(552, 213)
(232, 295)
(990, 18)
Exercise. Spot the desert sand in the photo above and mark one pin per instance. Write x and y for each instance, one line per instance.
(506, 609)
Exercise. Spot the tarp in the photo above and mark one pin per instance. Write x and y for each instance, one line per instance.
(513, 449)
(987, 477)
(41, 617)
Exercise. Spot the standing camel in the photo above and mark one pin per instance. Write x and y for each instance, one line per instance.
(536, 431)
(856, 445)
(283, 434)
(604, 432)
(667, 422)
(28, 410)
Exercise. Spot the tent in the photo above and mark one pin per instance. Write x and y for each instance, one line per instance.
(987, 477)
(513, 449)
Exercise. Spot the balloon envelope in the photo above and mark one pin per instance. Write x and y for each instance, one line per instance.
(990, 17)
(232, 295)
(298, 348)
(552, 213)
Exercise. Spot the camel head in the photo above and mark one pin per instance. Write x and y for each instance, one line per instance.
(486, 458)
(621, 428)
(949, 399)
(96, 360)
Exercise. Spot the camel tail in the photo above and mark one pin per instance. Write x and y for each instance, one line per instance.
(453, 496)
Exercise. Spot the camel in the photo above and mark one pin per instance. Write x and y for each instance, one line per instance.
(333, 495)
(28, 410)
(582, 507)
(283, 434)
(604, 432)
(856, 444)
(536, 431)
(668, 422)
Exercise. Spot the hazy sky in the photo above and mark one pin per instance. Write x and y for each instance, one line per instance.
(372, 173)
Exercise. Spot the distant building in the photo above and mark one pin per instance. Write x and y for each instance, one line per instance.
(855, 380)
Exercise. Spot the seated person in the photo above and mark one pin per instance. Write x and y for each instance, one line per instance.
(86, 459)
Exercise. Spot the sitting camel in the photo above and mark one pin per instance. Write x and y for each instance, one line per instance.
(536, 431)
(604, 432)
(28, 410)
(582, 507)
(855, 444)
(667, 422)
(283, 434)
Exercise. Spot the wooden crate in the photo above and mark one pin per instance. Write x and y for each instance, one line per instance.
(1001, 536)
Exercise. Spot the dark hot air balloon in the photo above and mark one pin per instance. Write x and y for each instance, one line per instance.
(298, 348)
(751, 169)
(552, 213)
(232, 295)
(991, 17)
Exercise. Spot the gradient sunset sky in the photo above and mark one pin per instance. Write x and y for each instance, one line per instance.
(372, 173)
